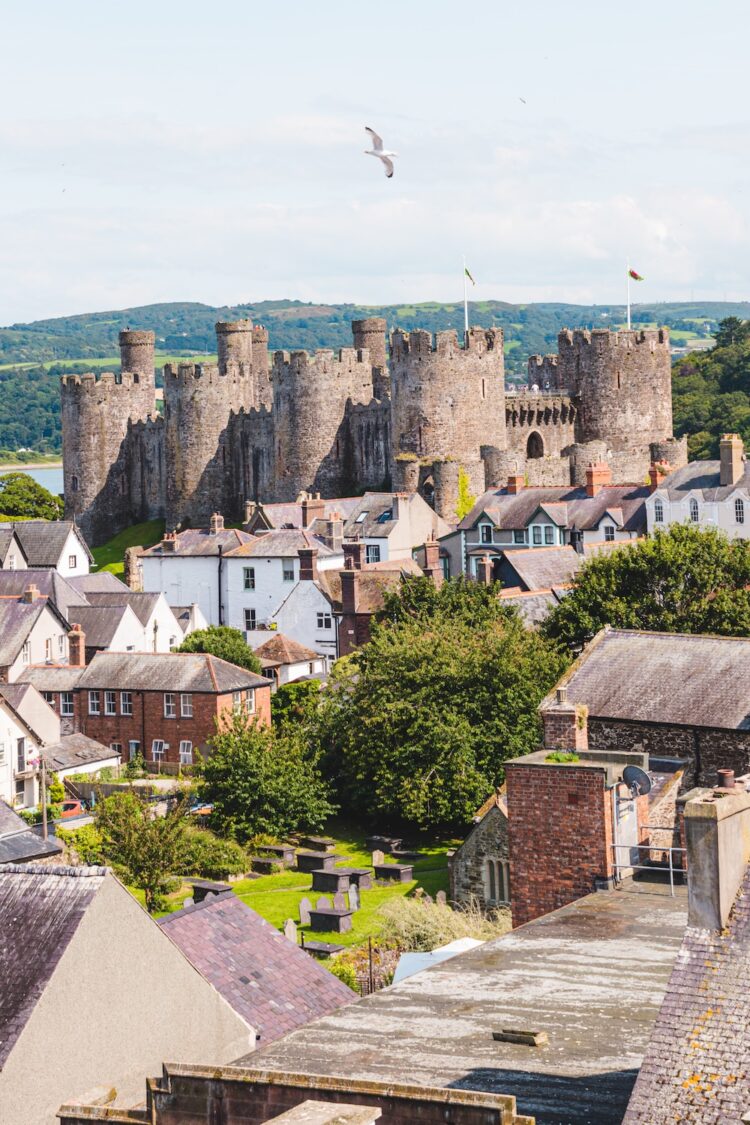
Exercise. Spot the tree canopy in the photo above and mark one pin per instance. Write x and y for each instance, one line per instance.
(22, 498)
(683, 580)
(224, 642)
(145, 849)
(711, 390)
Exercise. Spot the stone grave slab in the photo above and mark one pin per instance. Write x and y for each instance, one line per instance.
(394, 872)
(308, 861)
(284, 853)
(332, 881)
(290, 930)
(318, 843)
(265, 864)
(305, 906)
(353, 897)
(331, 920)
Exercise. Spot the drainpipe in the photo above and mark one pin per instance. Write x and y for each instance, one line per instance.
(143, 726)
(221, 566)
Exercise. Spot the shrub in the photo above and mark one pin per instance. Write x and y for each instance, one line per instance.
(210, 857)
(421, 925)
(562, 756)
(85, 842)
(345, 972)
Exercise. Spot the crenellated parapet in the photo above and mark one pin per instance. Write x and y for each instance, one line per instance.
(544, 373)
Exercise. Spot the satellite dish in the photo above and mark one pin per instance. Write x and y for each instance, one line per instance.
(637, 779)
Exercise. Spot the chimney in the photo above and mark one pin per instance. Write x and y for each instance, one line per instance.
(598, 476)
(396, 505)
(250, 509)
(349, 590)
(333, 536)
(30, 594)
(313, 508)
(217, 523)
(717, 838)
(656, 474)
(308, 564)
(732, 459)
(169, 542)
(515, 483)
(432, 566)
(353, 552)
(565, 724)
(77, 647)
(484, 571)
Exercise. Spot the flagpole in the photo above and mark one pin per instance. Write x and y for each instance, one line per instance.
(628, 273)
(466, 307)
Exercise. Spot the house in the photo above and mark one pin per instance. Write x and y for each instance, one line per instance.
(57, 683)
(107, 629)
(19, 844)
(76, 753)
(284, 660)
(307, 510)
(27, 726)
(12, 556)
(271, 982)
(70, 934)
(707, 493)
(160, 629)
(357, 593)
(53, 545)
(668, 694)
(516, 517)
(189, 618)
(479, 868)
(391, 525)
(31, 631)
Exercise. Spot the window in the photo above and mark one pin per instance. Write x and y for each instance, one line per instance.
(26, 652)
(249, 619)
(110, 703)
(658, 511)
(66, 704)
(248, 577)
(2, 753)
(49, 697)
(72, 561)
(186, 753)
(361, 517)
(536, 533)
(486, 532)
(134, 749)
(288, 571)
(186, 706)
(20, 792)
(739, 511)
(48, 649)
(116, 748)
(549, 534)
(325, 621)
(157, 749)
(126, 703)
(236, 701)
(61, 645)
(372, 553)
(11, 562)
(170, 705)
(94, 703)
(519, 536)
(20, 755)
(609, 533)
(694, 512)
(250, 701)
(74, 483)
(497, 880)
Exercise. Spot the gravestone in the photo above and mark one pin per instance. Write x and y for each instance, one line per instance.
(353, 897)
(441, 898)
(427, 899)
(339, 901)
(322, 904)
(290, 930)
(304, 912)
(377, 857)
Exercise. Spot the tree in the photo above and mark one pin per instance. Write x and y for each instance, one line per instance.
(731, 331)
(466, 499)
(295, 703)
(419, 723)
(263, 781)
(684, 580)
(145, 849)
(22, 498)
(224, 642)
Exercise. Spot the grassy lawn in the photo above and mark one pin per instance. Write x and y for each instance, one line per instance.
(110, 556)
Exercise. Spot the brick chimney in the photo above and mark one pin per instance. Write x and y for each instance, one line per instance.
(515, 483)
(217, 523)
(308, 564)
(598, 476)
(77, 647)
(353, 554)
(349, 590)
(169, 542)
(565, 724)
(30, 594)
(732, 459)
(333, 535)
(432, 566)
(484, 571)
(657, 473)
(313, 508)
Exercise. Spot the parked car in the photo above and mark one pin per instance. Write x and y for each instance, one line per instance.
(72, 808)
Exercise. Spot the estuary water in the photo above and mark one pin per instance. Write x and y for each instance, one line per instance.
(49, 476)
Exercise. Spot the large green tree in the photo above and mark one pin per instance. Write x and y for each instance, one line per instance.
(418, 724)
(144, 848)
(224, 642)
(684, 580)
(22, 498)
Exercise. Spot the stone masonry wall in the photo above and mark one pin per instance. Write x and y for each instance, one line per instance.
(487, 840)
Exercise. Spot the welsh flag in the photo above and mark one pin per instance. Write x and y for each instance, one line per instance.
(471, 279)
(635, 276)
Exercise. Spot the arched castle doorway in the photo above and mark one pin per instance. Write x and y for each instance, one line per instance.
(535, 446)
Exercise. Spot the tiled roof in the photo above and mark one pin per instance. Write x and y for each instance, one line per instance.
(17, 619)
(43, 541)
(572, 507)
(18, 844)
(372, 584)
(533, 605)
(667, 678)
(100, 582)
(703, 477)
(290, 515)
(6, 536)
(272, 983)
(40, 911)
(279, 545)
(378, 522)
(76, 750)
(200, 541)
(281, 649)
(167, 671)
(51, 677)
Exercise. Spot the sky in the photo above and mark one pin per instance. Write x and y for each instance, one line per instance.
(171, 151)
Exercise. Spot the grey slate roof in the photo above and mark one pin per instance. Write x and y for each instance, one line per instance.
(18, 844)
(282, 544)
(540, 568)
(200, 541)
(17, 619)
(703, 477)
(99, 623)
(60, 591)
(534, 605)
(6, 536)
(566, 506)
(377, 524)
(40, 911)
(51, 677)
(167, 671)
(76, 750)
(100, 582)
(665, 678)
(142, 604)
(272, 983)
(43, 541)
(290, 514)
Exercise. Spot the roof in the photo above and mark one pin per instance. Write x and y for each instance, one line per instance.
(17, 619)
(290, 515)
(143, 605)
(98, 623)
(167, 671)
(703, 477)
(43, 541)
(100, 582)
(666, 678)
(540, 568)
(77, 750)
(60, 591)
(695, 1068)
(592, 975)
(533, 605)
(40, 911)
(281, 544)
(200, 541)
(6, 537)
(30, 709)
(18, 844)
(281, 649)
(374, 580)
(572, 507)
(372, 517)
(271, 982)
(51, 677)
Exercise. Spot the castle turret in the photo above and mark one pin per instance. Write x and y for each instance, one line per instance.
(370, 334)
(234, 344)
(263, 393)
(137, 356)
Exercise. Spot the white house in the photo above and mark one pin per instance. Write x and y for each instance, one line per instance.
(11, 551)
(391, 525)
(308, 614)
(53, 545)
(32, 631)
(284, 660)
(159, 629)
(108, 629)
(27, 724)
(707, 493)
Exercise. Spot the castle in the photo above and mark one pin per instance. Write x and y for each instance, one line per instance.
(417, 417)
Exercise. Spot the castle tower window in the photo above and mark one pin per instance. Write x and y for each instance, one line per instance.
(74, 483)
(739, 511)
(136, 377)
(484, 389)
(694, 510)
(658, 511)
(535, 446)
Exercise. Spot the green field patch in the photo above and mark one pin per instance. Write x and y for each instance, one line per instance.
(111, 555)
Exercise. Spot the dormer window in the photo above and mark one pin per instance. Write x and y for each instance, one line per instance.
(694, 510)
(739, 510)
(486, 532)
(361, 517)
(658, 511)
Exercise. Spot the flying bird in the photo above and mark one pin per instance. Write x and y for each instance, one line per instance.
(382, 153)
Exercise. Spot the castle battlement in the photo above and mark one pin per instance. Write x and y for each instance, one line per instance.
(96, 382)
(610, 337)
(419, 342)
(186, 373)
(321, 360)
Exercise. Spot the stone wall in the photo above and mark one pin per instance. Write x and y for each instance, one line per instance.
(369, 438)
(539, 425)
(487, 840)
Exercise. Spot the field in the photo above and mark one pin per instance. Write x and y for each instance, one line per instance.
(111, 555)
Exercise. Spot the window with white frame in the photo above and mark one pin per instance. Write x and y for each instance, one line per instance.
(170, 705)
(250, 701)
(67, 708)
(134, 749)
(549, 535)
(536, 535)
(157, 749)
(372, 553)
(20, 755)
(48, 649)
(236, 701)
(249, 619)
(110, 703)
(248, 577)
(694, 510)
(186, 753)
(486, 532)
(325, 621)
(49, 698)
(519, 536)
(609, 533)
(739, 510)
(95, 706)
(126, 703)
(288, 568)
(116, 748)
(658, 511)
(61, 645)
(11, 562)
(2, 753)
(497, 881)
(186, 705)
(72, 561)
(26, 652)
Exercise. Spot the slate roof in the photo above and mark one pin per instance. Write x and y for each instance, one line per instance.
(696, 1066)
(51, 677)
(200, 541)
(17, 619)
(533, 605)
(540, 568)
(6, 537)
(664, 678)
(60, 591)
(272, 983)
(98, 623)
(282, 544)
(281, 649)
(18, 844)
(76, 750)
(100, 582)
(143, 605)
(40, 911)
(290, 515)
(569, 507)
(372, 585)
(167, 671)
(703, 477)
(376, 508)
(43, 541)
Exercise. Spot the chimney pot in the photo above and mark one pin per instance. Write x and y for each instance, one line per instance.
(726, 779)
(562, 695)
(31, 593)
(515, 483)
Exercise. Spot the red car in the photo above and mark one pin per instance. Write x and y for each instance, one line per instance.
(72, 808)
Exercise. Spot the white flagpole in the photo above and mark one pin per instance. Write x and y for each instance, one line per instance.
(466, 307)
(628, 272)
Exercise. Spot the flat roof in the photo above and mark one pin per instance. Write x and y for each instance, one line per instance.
(592, 975)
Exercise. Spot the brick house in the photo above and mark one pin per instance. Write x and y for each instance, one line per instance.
(479, 870)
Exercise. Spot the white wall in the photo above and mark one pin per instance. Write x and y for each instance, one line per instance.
(10, 731)
(718, 514)
(290, 672)
(73, 547)
(47, 627)
(184, 580)
(298, 618)
(168, 632)
(270, 588)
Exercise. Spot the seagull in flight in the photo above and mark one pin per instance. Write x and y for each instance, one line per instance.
(382, 153)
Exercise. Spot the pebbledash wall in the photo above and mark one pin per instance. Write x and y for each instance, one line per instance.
(416, 415)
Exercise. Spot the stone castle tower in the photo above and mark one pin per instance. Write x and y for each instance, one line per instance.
(415, 416)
